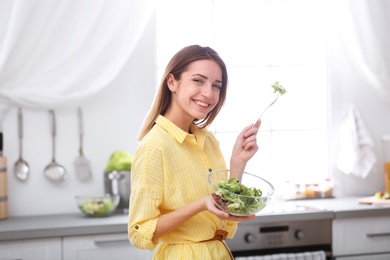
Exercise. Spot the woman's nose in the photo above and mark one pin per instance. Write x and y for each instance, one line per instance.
(207, 90)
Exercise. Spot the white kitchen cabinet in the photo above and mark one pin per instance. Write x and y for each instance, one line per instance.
(32, 249)
(368, 238)
(365, 257)
(102, 247)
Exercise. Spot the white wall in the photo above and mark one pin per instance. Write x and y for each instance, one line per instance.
(113, 117)
(348, 86)
(111, 122)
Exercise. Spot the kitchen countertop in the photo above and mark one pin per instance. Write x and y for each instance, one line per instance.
(347, 207)
(31, 227)
(27, 227)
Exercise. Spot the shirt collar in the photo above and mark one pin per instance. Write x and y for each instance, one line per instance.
(179, 134)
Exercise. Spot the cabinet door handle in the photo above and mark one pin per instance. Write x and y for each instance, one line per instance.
(110, 241)
(378, 234)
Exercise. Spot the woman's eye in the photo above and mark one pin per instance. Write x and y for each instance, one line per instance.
(218, 87)
(198, 80)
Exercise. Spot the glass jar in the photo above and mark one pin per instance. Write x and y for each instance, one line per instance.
(386, 160)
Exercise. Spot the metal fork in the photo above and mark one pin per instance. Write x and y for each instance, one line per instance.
(280, 90)
(277, 96)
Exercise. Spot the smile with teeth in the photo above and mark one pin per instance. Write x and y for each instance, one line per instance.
(202, 104)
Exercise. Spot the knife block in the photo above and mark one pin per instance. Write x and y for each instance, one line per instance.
(3, 189)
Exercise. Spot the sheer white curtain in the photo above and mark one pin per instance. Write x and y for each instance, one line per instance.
(58, 52)
(364, 27)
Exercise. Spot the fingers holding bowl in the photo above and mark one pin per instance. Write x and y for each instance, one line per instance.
(240, 198)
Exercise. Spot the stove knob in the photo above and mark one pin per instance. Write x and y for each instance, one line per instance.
(299, 234)
(250, 238)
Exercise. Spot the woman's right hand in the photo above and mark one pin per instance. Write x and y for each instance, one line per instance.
(210, 206)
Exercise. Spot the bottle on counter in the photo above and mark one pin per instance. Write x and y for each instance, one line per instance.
(3, 189)
(386, 160)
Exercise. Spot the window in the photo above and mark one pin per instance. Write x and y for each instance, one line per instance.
(262, 41)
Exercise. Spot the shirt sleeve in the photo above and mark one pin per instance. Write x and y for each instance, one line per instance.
(146, 196)
(231, 228)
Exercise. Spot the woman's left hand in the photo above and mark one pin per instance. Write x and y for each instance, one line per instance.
(210, 206)
(245, 147)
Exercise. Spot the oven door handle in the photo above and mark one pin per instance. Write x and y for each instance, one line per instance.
(378, 234)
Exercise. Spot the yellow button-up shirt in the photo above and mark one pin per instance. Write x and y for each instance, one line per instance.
(170, 170)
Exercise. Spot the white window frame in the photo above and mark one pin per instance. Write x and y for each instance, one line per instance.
(298, 122)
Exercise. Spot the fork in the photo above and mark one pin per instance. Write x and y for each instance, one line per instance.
(277, 96)
(280, 90)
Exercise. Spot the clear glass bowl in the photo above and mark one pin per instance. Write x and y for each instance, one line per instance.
(236, 204)
(97, 206)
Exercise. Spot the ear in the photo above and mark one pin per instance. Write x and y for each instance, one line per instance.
(171, 83)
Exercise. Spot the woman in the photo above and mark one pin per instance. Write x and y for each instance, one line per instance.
(170, 198)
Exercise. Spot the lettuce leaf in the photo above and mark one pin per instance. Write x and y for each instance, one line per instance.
(229, 197)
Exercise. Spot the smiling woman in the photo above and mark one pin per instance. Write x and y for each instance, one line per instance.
(195, 93)
(263, 41)
(171, 207)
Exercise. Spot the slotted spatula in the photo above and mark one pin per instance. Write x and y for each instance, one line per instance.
(81, 164)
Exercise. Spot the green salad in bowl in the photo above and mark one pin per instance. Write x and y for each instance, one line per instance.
(97, 206)
(240, 197)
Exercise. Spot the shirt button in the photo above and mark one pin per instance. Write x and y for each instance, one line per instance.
(210, 170)
(136, 227)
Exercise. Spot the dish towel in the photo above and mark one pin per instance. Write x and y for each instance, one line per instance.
(356, 155)
(317, 255)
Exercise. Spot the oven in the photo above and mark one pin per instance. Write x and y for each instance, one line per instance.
(309, 239)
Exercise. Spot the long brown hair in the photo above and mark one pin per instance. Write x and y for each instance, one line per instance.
(177, 65)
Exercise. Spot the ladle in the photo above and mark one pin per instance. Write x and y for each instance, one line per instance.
(54, 171)
(21, 168)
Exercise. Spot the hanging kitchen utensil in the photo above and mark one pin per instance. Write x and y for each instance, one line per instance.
(21, 167)
(81, 164)
(54, 171)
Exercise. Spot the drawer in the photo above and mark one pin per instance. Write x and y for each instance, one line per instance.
(352, 236)
(102, 247)
(31, 249)
(365, 257)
